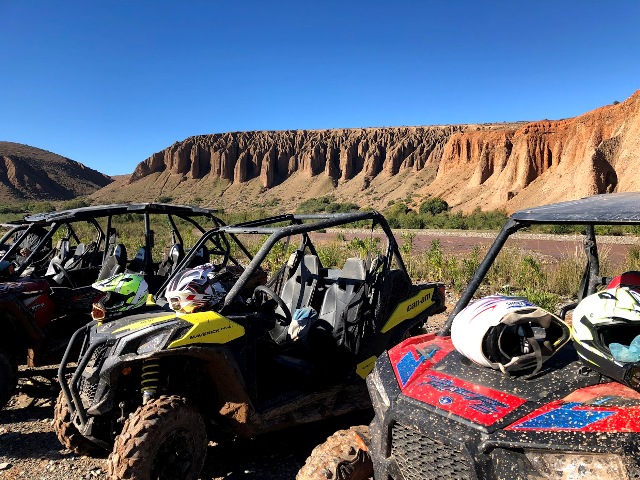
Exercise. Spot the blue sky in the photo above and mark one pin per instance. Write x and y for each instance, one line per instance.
(110, 83)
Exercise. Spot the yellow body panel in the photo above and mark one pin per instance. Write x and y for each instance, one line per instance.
(146, 323)
(410, 308)
(208, 327)
(364, 368)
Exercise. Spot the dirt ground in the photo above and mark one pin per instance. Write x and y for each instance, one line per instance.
(29, 448)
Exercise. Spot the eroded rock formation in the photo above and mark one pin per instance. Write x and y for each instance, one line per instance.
(506, 166)
(273, 156)
(545, 161)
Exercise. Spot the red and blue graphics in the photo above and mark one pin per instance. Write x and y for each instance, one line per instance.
(416, 355)
(412, 364)
(481, 404)
(574, 416)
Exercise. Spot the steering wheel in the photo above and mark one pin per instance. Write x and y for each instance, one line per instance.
(60, 269)
(279, 333)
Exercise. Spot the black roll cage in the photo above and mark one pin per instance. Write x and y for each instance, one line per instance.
(56, 220)
(605, 209)
(297, 226)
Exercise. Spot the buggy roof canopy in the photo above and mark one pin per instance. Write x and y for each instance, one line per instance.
(609, 208)
(115, 209)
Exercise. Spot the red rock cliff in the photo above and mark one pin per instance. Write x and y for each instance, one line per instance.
(507, 166)
(545, 161)
(273, 156)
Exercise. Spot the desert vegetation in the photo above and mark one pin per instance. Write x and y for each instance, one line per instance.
(545, 280)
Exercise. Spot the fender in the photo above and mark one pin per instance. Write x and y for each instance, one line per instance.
(223, 377)
(26, 333)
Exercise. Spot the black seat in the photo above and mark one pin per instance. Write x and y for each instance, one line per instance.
(200, 258)
(174, 256)
(139, 262)
(342, 313)
(297, 292)
(60, 257)
(81, 256)
(115, 261)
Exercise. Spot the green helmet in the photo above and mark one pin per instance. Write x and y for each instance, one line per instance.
(124, 291)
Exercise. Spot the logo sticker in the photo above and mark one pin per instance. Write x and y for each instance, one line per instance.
(407, 366)
(483, 405)
(477, 402)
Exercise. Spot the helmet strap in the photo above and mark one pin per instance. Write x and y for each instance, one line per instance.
(533, 343)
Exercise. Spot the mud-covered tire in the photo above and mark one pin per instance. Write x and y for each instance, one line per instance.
(68, 433)
(339, 458)
(166, 438)
(8, 377)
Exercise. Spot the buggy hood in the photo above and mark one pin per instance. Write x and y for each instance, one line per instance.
(562, 397)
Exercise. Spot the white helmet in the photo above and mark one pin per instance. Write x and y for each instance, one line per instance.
(508, 333)
(192, 289)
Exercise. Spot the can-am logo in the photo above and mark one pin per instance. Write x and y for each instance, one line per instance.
(425, 298)
(477, 402)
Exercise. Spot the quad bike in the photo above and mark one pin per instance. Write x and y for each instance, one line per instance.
(440, 413)
(240, 347)
(46, 293)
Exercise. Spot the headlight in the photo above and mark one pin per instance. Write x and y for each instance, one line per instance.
(154, 342)
(375, 384)
(570, 466)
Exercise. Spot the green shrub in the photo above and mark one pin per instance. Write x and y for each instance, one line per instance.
(547, 300)
(75, 203)
(434, 206)
(325, 204)
(40, 207)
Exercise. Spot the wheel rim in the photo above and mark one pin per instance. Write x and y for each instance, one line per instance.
(174, 458)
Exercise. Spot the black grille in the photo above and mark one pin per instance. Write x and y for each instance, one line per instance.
(88, 383)
(87, 388)
(422, 458)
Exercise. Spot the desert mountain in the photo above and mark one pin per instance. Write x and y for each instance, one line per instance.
(28, 173)
(508, 166)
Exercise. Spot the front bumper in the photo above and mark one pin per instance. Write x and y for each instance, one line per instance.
(92, 390)
(411, 440)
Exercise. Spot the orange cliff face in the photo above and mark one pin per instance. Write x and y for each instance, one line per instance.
(272, 157)
(542, 162)
(491, 166)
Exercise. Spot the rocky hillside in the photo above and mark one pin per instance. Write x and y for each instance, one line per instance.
(28, 173)
(543, 162)
(489, 166)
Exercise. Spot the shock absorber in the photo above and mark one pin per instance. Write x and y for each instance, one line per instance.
(149, 380)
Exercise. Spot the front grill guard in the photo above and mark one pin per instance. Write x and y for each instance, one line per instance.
(423, 457)
(71, 390)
